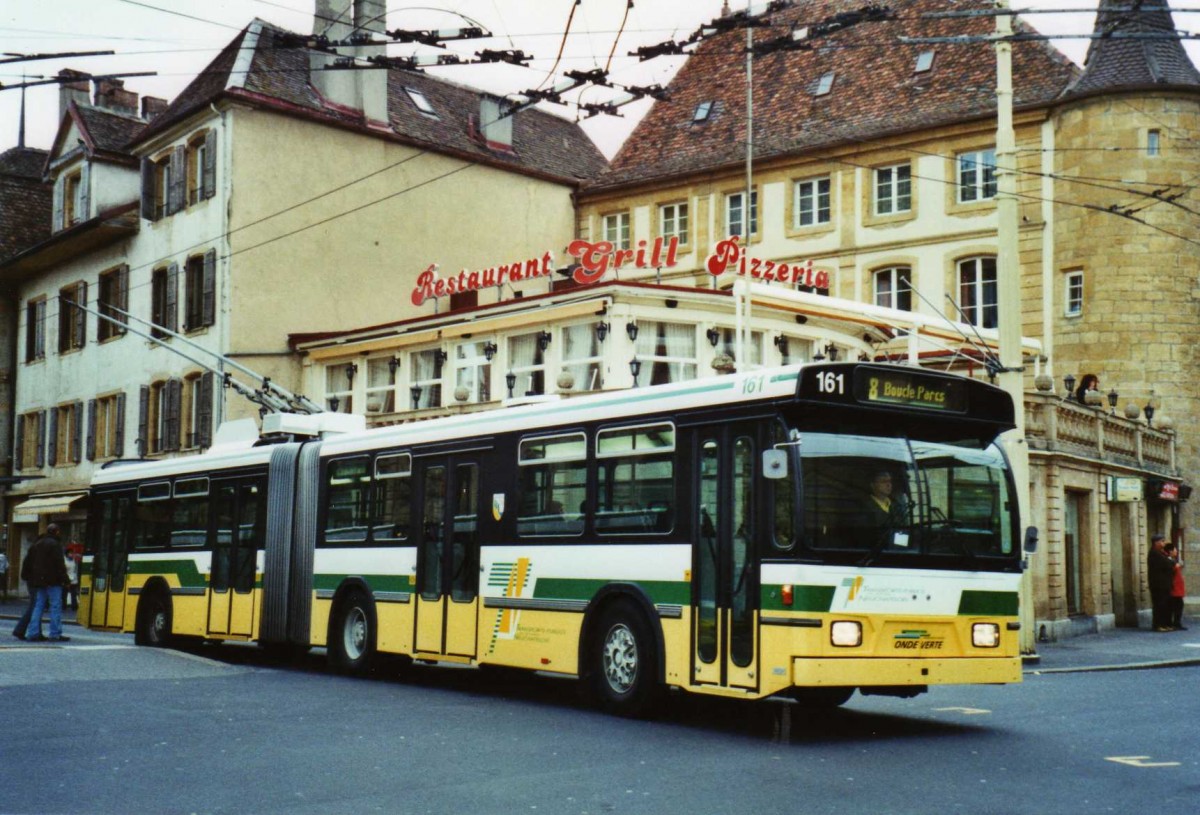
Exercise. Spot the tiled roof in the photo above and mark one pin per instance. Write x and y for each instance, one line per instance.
(876, 90)
(109, 131)
(542, 143)
(25, 202)
(1117, 62)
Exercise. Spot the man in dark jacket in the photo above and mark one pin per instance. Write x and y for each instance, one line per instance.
(45, 573)
(1160, 573)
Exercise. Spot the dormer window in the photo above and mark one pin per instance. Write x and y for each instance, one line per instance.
(824, 84)
(71, 198)
(702, 112)
(924, 62)
(419, 99)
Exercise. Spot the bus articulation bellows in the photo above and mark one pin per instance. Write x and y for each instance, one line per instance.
(726, 536)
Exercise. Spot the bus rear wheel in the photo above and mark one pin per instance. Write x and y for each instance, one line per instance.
(352, 636)
(622, 674)
(154, 621)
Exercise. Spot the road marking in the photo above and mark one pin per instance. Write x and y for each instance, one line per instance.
(966, 711)
(1190, 644)
(1141, 761)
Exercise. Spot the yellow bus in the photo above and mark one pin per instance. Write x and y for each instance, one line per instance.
(731, 536)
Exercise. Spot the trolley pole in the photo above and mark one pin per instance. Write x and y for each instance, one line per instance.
(1008, 274)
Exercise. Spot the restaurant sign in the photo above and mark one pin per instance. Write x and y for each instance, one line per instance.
(594, 259)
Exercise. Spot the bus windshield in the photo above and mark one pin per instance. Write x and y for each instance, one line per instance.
(883, 498)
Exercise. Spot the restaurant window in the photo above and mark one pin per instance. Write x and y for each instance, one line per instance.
(581, 354)
(426, 378)
(667, 351)
(727, 344)
(472, 372)
(527, 362)
(339, 386)
(381, 384)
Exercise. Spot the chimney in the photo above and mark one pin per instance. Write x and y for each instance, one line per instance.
(152, 106)
(342, 21)
(111, 95)
(72, 87)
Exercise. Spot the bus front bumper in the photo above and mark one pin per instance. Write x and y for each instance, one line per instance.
(875, 671)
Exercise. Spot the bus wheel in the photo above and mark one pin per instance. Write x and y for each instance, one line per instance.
(154, 621)
(622, 676)
(352, 638)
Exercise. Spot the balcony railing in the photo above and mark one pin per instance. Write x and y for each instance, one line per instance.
(1053, 424)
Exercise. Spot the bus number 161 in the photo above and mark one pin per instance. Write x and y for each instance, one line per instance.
(830, 382)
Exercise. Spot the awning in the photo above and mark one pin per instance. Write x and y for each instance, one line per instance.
(28, 511)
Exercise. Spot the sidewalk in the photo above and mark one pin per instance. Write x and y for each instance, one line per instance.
(1118, 649)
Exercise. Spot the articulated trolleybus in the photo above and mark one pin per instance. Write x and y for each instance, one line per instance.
(733, 536)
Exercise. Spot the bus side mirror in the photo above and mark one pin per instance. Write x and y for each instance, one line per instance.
(1031, 540)
(775, 464)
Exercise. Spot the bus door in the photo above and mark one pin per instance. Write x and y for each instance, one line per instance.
(110, 530)
(448, 557)
(238, 533)
(725, 563)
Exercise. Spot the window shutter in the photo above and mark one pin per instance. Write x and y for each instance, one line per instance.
(80, 315)
(39, 458)
(91, 433)
(204, 411)
(58, 205)
(148, 190)
(119, 436)
(77, 433)
(171, 308)
(52, 439)
(177, 195)
(122, 297)
(40, 337)
(143, 440)
(85, 193)
(210, 164)
(19, 446)
(209, 301)
(174, 401)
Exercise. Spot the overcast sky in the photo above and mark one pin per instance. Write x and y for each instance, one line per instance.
(177, 38)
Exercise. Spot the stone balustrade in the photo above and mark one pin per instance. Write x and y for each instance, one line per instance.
(1053, 424)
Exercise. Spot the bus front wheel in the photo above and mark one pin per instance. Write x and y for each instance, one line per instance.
(622, 676)
(352, 637)
(154, 621)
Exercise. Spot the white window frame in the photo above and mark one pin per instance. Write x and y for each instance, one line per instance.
(976, 176)
(616, 229)
(338, 385)
(673, 221)
(1073, 294)
(587, 367)
(473, 371)
(381, 369)
(897, 290)
(808, 197)
(740, 197)
(526, 374)
(431, 386)
(924, 62)
(647, 348)
(892, 189)
(976, 308)
(824, 84)
(421, 101)
(1153, 143)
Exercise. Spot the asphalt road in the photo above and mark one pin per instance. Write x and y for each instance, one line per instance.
(101, 726)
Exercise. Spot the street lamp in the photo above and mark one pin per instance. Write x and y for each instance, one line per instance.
(1112, 400)
(1069, 381)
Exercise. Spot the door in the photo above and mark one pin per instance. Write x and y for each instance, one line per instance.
(448, 557)
(725, 562)
(238, 533)
(109, 531)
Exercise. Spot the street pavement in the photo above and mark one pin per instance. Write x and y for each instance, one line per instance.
(1112, 650)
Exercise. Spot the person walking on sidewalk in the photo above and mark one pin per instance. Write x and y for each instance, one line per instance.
(1160, 572)
(1178, 591)
(45, 572)
(4, 575)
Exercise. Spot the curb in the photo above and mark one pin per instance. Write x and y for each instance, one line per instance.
(1129, 666)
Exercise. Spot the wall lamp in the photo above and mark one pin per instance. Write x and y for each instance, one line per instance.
(441, 356)
(602, 331)
(1069, 381)
(1112, 399)
(635, 368)
(1149, 411)
(832, 352)
(351, 370)
(544, 340)
(333, 404)
(781, 342)
(632, 330)
(415, 390)
(510, 379)
(489, 350)
(393, 366)
(714, 336)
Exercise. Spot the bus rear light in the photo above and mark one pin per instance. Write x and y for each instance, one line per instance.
(846, 634)
(787, 594)
(985, 635)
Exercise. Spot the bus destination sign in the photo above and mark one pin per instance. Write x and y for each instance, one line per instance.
(915, 390)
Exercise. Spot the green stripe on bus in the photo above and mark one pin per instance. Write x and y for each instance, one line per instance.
(810, 599)
(992, 603)
(377, 582)
(184, 569)
(569, 588)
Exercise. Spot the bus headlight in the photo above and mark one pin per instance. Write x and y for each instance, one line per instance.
(846, 634)
(985, 635)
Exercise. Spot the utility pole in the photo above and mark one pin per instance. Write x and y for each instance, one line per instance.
(1008, 278)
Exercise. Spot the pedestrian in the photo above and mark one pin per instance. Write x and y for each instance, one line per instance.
(72, 597)
(1160, 573)
(1178, 592)
(4, 575)
(45, 572)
